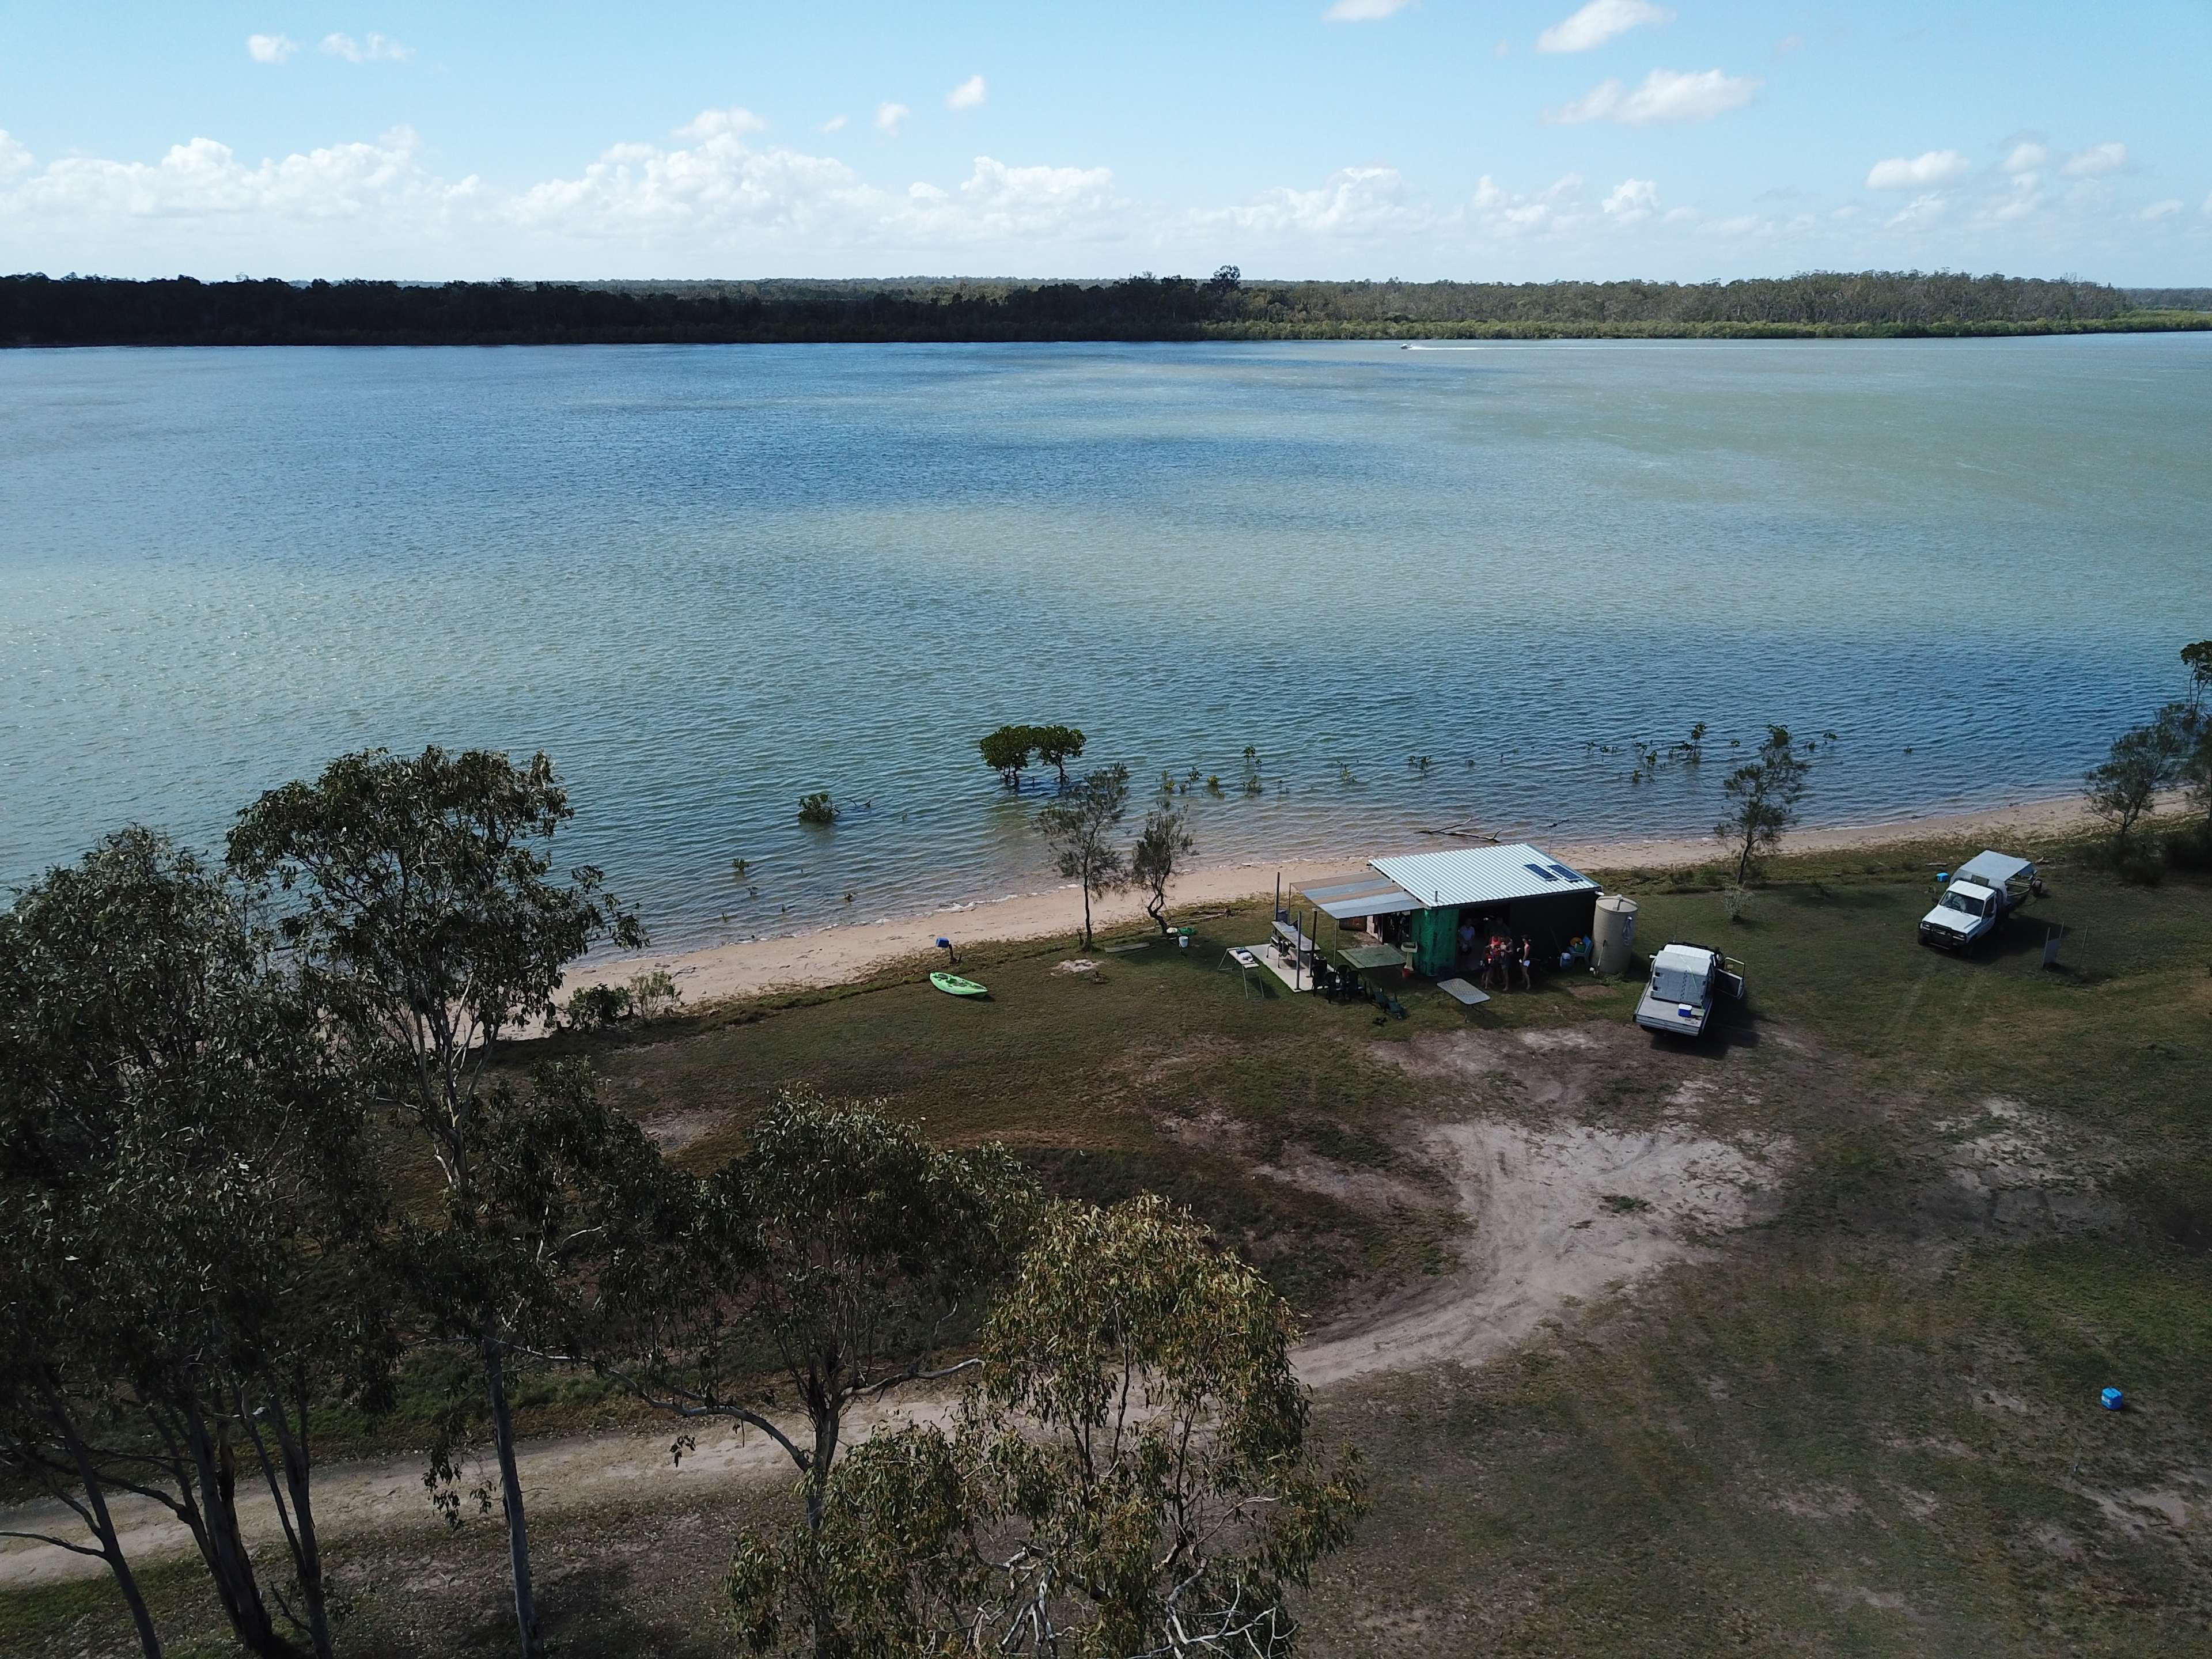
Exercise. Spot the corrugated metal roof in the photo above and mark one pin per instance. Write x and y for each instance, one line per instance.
(1482, 875)
(1369, 896)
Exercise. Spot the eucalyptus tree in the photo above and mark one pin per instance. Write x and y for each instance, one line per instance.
(1080, 828)
(566, 1191)
(1131, 1474)
(839, 1251)
(419, 898)
(190, 1219)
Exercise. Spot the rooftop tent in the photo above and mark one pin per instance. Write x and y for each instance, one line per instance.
(1992, 869)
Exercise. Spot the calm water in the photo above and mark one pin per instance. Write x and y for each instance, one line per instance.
(709, 580)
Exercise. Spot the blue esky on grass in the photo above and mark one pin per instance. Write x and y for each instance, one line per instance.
(1417, 138)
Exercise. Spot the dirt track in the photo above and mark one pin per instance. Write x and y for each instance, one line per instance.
(1556, 1214)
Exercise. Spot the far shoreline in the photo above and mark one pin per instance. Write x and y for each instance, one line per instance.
(838, 954)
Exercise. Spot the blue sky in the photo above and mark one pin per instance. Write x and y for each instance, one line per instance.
(1434, 138)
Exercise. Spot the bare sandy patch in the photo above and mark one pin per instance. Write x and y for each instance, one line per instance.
(1559, 1215)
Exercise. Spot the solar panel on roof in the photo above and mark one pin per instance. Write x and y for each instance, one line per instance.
(1562, 870)
(1540, 871)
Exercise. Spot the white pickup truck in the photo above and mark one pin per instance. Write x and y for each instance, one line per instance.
(1980, 894)
(1686, 980)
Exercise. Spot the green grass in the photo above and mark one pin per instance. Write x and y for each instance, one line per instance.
(1867, 1424)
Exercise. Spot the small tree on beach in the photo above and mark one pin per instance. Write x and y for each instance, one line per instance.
(1763, 794)
(1162, 845)
(2123, 788)
(1056, 745)
(1007, 750)
(1080, 828)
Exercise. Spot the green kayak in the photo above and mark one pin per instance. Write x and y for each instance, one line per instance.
(953, 985)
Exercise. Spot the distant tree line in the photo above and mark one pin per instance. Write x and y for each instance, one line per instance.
(36, 310)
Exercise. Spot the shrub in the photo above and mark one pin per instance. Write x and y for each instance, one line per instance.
(655, 994)
(594, 1007)
(817, 808)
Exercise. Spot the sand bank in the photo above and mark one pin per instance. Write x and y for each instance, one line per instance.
(835, 955)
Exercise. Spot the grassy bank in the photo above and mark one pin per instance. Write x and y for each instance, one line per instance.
(1865, 1423)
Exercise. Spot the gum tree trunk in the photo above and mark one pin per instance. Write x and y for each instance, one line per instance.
(510, 1497)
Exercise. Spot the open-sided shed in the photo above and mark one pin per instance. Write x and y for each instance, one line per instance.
(1519, 891)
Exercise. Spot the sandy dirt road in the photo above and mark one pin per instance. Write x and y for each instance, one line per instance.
(1556, 1214)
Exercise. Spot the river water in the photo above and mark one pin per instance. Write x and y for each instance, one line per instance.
(709, 580)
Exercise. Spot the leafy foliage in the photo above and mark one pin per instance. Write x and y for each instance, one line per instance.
(1056, 745)
(1763, 794)
(416, 898)
(1007, 750)
(819, 809)
(1162, 846)
(188, 1227)
(840, 1248)
(2123, 788)
(1080, 828)
(1130, 1476)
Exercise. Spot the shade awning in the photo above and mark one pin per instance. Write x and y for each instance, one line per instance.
(1369, 896)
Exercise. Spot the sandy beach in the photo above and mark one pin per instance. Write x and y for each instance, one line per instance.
(838, 954)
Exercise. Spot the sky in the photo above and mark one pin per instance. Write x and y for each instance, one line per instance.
(1419, 139)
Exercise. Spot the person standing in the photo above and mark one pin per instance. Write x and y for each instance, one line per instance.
(1527, 960)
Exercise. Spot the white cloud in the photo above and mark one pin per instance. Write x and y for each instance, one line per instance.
(888, 117)
(2025, 198)
(369, 49)
(717, 123)
(1364, 11)
(1921, 210)
(967, 95)
(270, 48)
(2160, 209)
(1502, 49)
(1599, 22)
(206, 178)
(835, 123)
(1911, 172)
(1665, 95)
(1352, 201)
(2208, 200)
(2025, 157)
(1788, 44)
(719, 196)
(2096, 160)
(1631, 200)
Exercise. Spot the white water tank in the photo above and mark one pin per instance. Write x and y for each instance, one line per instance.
(1612, 939)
